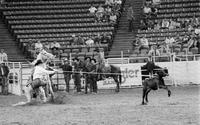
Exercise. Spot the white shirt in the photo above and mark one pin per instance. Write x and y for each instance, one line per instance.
(89, 42)
(197, 31)
(3, 57)
(113, 18)
(38, 46)
(144, 41)
(118, 1)
(40, 72)
(147, 9)
(156, 1)
(92, 9)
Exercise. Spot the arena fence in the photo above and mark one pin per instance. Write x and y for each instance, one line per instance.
(180, 73)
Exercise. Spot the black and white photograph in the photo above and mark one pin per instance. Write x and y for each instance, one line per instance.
(99, 62)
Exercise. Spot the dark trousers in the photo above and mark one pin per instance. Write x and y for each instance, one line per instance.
(130, 25)
(77, 81)
(92, 81)
(4, 85)
(67, 78)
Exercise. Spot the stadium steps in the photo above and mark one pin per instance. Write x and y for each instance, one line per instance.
(9, 45)
(123, 38)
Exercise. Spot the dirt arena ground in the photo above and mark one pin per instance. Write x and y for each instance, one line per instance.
(108, 108)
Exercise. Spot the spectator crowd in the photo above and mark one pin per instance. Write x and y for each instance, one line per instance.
(108, 12)
(174, 42)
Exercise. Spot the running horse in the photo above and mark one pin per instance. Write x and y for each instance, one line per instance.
(154, 83)
(110, 71)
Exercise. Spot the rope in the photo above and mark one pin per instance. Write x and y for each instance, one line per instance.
(74, 72)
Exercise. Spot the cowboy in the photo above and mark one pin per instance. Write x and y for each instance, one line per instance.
(4, 71)
(67, 68)
(77, 75)
(94, 77)
(88, 68)
(40, 78)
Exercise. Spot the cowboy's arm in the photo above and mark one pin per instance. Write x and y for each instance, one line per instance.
(47, 71)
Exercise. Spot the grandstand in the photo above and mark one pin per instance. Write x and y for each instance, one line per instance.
(57, 20)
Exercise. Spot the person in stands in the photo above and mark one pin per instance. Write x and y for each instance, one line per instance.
(130, 18)
(38, 45)
(3, 56)
(144, 44)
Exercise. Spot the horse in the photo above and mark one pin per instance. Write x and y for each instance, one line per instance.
(154, 83)
(110, 71)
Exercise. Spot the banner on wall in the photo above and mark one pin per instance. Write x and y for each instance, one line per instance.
(180, 73)
(131, 75)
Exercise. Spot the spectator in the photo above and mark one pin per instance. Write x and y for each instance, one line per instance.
(92, 9)
(169, 43)
(165, 24)
(109, 2)
(191, 43)
(146, 10)
(150, 24)
(100, 9)
(67, 68)
(157, 25)
(197, 30)
(80, 40)
(106, 39)
(89, 41)
(113, 18)
(38, 45)
(118, 2)
(55, 47)
(97, 39)
(154, 11)
(130, 18)
(3, 56)
(143, 26)
(144, 44)
(74, 40)
(153, 51)
(46, 46)
(156, 2)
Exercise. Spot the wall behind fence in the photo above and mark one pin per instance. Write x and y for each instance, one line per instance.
(179, 73)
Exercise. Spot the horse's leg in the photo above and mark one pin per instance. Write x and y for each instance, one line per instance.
(143, 95)
(147, 92)
(166, 88)
(86, 85)
(117, 83)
